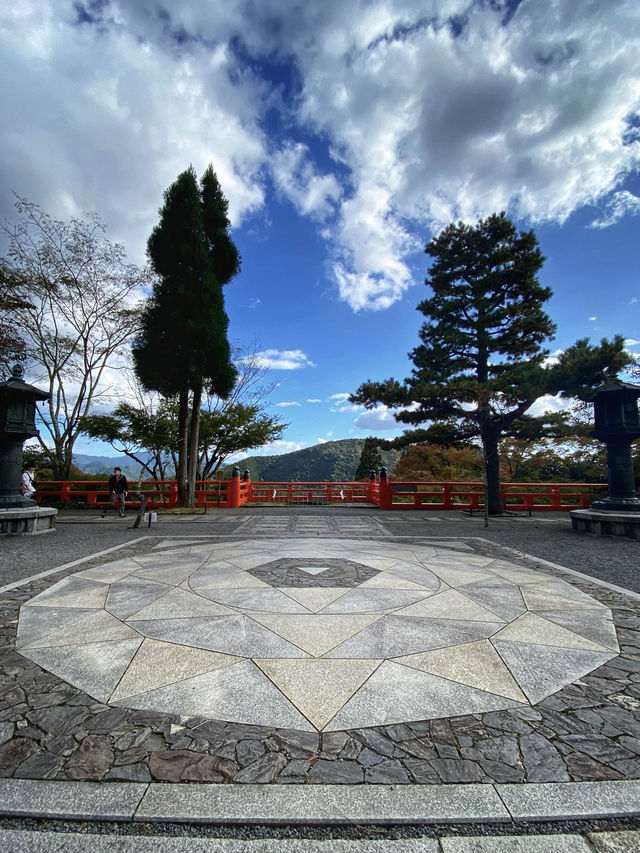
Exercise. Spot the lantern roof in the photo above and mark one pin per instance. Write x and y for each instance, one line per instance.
(17, 383)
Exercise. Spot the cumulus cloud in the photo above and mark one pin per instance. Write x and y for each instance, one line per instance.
(394, 118)
(289, 403)
(289, 359)
(549, 404)
(380, 418)
(314, 400)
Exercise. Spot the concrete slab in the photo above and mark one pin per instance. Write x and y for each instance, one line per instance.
(322, 804)
(561, 801)
(515, 844)
(72, 800)
(64, 842)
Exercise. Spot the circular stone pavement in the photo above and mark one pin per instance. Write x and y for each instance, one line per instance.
(321, 634)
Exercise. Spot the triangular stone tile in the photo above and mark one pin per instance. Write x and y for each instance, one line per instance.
(530, 628)
(450, 604)
(174, 543)
(179, 603)
(461, 561)
(455, 577)
(131, 594)
(593, 624)
(248, 561)
(362, 600)
(173, 575)
(396, 694)
(95, 668)
(475, 664)
(88, 598)
(240, 693)
(168, 559)
(318, 688)
(157, 664)
(315, 634)
(541, 671)
(210, 574)
(418, 574)
(110, 572)
(235, 580)
(37, 622)
(387, 580)
(557, 596)
(265, 600)
(230, 635)
(314, 598)
(393, 636)
(496, 594)
(97, 627)
(66, 589)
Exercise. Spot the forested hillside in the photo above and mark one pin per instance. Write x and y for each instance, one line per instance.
(333, 461)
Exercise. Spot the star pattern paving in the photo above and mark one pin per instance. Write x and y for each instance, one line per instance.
(325, 635)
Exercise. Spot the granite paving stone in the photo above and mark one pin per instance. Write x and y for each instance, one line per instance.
(449, 714)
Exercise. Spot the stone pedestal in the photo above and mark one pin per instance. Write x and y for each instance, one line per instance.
(29, 521)
(606, 522)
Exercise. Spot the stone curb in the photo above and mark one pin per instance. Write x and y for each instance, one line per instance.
(319, 805)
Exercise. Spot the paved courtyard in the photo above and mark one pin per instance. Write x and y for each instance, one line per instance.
(316, 634)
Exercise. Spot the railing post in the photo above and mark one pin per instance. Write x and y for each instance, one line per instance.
(233, 490)
(371, 487)
(248, 489)
(386, 498)
(446, 495)
(555, 498)
(65, 492)
(173, 494)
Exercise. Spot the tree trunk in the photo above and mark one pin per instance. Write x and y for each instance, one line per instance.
(492, 468)
(183, 448)
(194, 441)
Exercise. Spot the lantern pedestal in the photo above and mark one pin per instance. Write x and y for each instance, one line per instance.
(606, 522)
(30, 521)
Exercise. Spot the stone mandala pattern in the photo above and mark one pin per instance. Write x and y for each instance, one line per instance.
(315, 635)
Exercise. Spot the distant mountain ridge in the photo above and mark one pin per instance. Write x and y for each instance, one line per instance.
(333, 461)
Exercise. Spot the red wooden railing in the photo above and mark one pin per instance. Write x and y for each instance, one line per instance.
(387, 494)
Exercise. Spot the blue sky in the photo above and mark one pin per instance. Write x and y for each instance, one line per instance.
(345, 133)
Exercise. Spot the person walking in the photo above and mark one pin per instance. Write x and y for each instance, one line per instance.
(117, 492)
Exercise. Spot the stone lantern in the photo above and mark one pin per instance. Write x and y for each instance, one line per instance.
(18, 514)
(617, 424)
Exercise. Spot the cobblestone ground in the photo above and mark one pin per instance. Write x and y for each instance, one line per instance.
(589, 730)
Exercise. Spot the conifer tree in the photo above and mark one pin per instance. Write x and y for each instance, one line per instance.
(183, 348)
(370, 459)
(481, 361)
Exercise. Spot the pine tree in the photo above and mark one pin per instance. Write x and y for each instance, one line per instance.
(480, 363)
(370, 459)
(183, 348)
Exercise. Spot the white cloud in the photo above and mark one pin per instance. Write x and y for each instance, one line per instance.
(322, 440)
(407, 122)
(380, 418)
(548, 405)
(295, 176)
(290, 403)
(273, 359)
(616, 207)
(314, 400)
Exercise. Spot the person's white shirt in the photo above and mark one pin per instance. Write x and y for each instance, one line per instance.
(27, 483)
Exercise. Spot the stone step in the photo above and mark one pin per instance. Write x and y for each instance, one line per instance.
(28, 841)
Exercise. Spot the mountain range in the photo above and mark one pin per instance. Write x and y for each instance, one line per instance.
(332, 461)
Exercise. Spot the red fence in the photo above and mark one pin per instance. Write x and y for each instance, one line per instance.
(387, 494)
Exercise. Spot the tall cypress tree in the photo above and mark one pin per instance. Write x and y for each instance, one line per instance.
(480, 363)
(183, 345)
